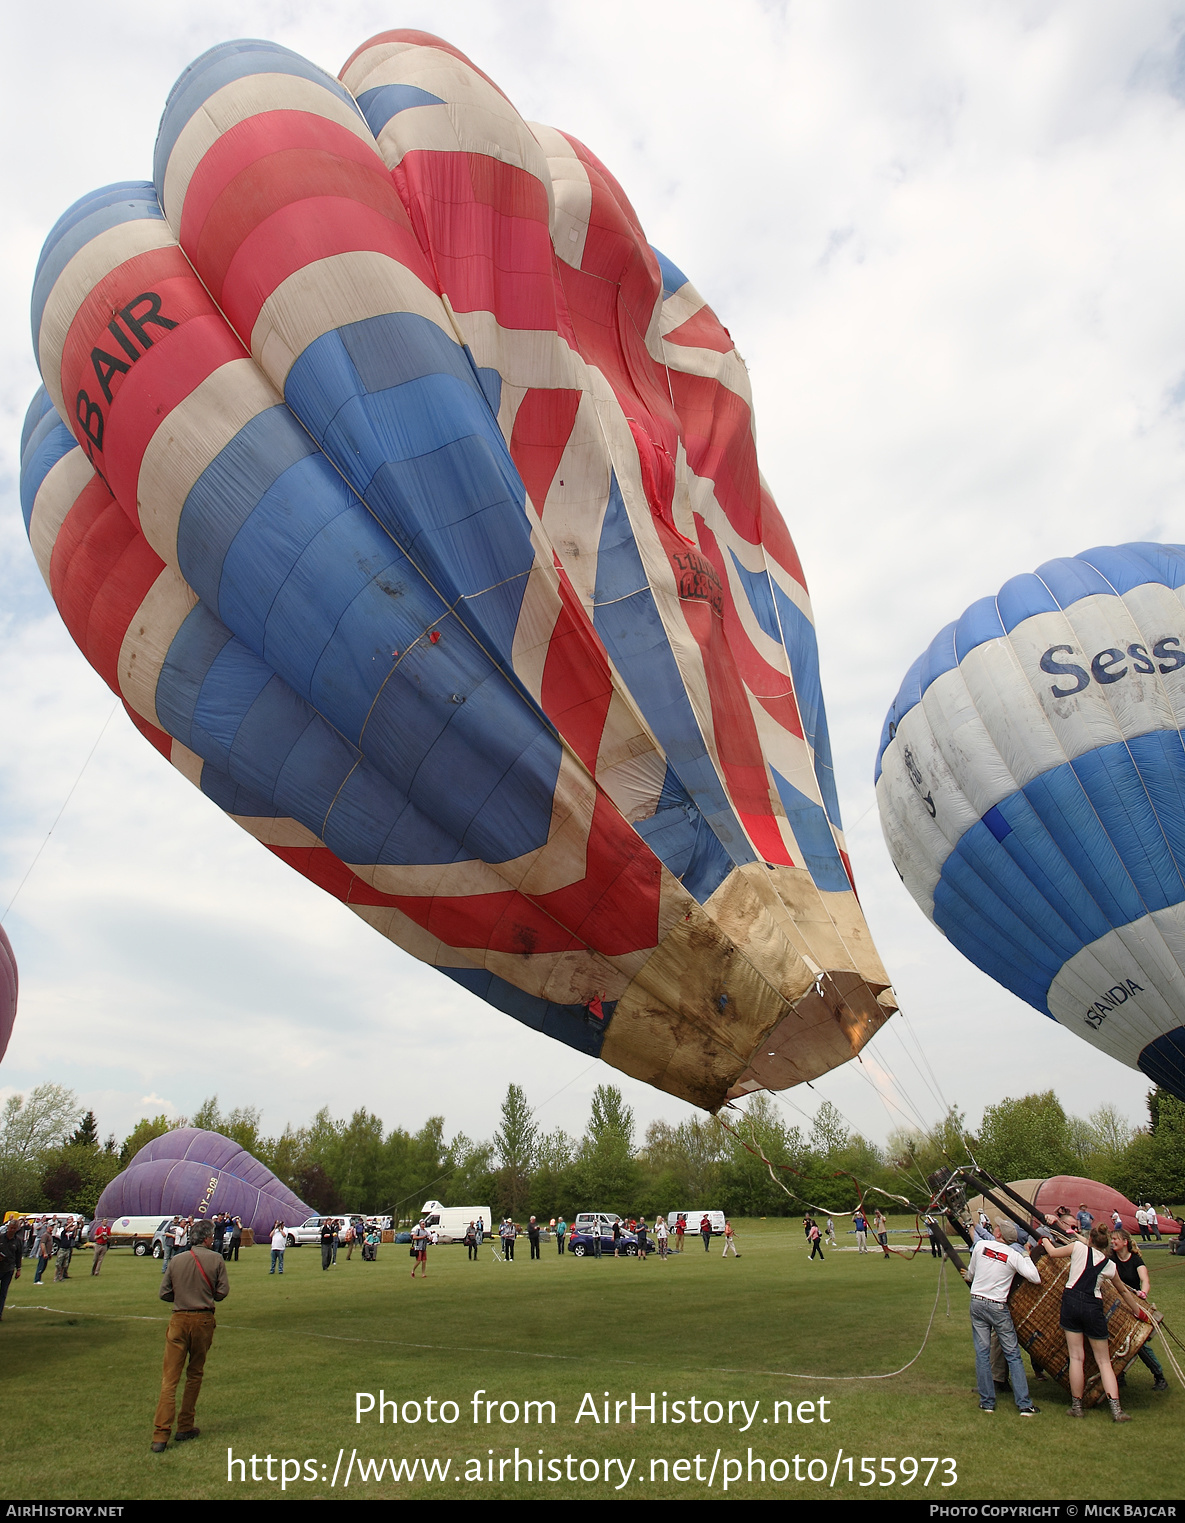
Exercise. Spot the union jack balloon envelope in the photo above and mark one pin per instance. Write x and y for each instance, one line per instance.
(410, 502)
(1031, 782)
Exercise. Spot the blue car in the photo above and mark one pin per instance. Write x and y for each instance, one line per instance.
(583, 1245)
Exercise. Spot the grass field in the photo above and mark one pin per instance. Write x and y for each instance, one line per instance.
(290, 1355)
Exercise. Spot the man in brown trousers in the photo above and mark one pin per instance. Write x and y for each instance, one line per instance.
(193, 1281)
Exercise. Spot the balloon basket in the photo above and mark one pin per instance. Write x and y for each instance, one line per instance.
(1035, 1313)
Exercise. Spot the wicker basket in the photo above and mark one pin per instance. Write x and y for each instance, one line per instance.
(1035, 1312)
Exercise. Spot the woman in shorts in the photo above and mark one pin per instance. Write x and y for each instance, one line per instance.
(1082, 1314)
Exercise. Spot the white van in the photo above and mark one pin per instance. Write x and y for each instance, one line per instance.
(137, 1230)
(449, 1224)
(693, 1219)
(590, 1221)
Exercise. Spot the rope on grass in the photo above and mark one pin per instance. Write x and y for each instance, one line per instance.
(469, 1348)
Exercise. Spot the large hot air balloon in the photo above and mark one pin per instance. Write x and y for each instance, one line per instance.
(410, 501)
(189, 1172)
(1031, 783)
(8, 990)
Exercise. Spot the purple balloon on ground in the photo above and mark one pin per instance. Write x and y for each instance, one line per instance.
(8, 988)
(194, 1173)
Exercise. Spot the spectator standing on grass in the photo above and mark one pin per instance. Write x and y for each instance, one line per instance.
(860, 1224)
(1142, 1223)
(507, 1233)
(730, 1241)
(815, 1238)
(1082, 1314)
(193, 1283)
(480, 1224)
(168, 1245)
(65, 1249)
(533, 1237)
(643, 1239)
(705, 1231)
(1153, 1219)
(337, 1237)
(327, 1230)
(680, 1230)
(279, 1243)
(994, 1265)
(661, 1237)
(44, 1250)
(561, 1232)
(831, 1243)
(102, 1239)
(1085, 1219)
(616, 1239)
(419, 1243)
(234, 1240)
(1131, 1269)
(881, 1227)
(12, 1251)
(219, 1225)
(470, 1240)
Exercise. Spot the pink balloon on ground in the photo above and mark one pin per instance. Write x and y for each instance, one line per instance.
(1073, 1191)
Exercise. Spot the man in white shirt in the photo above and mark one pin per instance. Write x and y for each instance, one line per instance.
(994, 1265)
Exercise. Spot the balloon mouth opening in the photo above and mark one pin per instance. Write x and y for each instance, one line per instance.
(827, 1027)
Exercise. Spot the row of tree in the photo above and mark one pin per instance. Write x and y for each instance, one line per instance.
(758, 1164)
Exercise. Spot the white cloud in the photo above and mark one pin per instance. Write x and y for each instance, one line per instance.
(948, 241)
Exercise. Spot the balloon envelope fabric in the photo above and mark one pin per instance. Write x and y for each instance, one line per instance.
(189, 1172)
(410, 501)
(8, 990)
(1031, 784)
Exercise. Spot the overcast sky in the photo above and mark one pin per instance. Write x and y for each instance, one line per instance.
(948, 241)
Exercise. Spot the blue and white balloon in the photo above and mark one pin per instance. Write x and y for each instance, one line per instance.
(1031, 785)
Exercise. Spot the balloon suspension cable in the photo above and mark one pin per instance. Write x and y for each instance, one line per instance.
(60, 813)
(756, 1150)
(1166, 1350)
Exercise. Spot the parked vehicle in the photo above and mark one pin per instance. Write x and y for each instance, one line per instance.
(310, 1231)
(693, 1219)
(139, 1231)
(588, 1221)
(448, 1224)
(583, 1245)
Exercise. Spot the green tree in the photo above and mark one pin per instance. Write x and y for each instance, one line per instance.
(515, 1143)
(241, 1125)
(682, 1164)
(73, 1176)
(31, 1125)
(474, 1180)
(746, 1188)
(829, 1133)
(606, 1176)
(207, 1117)
(1153, 1165)
(913, 1156)
(551, 1182)
(86, 1133)
(358, 1161)
(1027, 1138)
